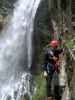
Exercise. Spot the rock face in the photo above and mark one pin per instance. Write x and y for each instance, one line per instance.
(6, 6)
(42, 28)
(1, 22)
(70, 70)
(25, 97)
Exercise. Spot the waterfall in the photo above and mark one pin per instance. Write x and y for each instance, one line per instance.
(16, 51)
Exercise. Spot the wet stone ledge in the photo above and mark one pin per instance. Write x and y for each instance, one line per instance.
(70, 70)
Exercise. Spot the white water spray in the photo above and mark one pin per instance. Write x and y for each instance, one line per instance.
(16, 50)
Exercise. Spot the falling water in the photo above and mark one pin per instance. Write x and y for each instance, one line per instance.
(16, 51)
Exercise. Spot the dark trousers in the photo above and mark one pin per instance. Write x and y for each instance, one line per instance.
(48, 85)
(57, 93)
(50, 71)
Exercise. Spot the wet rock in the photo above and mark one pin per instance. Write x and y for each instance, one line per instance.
(25, 97)
(1, 22)
(8, 98)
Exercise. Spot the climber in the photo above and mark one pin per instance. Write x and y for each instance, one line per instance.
(51, 64)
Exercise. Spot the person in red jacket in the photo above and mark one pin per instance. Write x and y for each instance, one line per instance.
(51, 64)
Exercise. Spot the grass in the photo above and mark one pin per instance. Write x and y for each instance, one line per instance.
(40, 88)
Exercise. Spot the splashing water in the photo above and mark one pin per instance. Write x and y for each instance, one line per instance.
(16, 51)
(20, 88)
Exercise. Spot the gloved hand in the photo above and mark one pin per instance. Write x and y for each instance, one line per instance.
(55, 58)
(45, 74)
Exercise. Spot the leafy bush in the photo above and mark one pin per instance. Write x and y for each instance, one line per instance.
(40, 88)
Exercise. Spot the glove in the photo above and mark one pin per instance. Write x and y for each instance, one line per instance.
(45, 74)
(55, 58)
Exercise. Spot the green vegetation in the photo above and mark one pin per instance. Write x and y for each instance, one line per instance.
(40, 88)
(72, 44)
(71, 41)
(6, 6)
